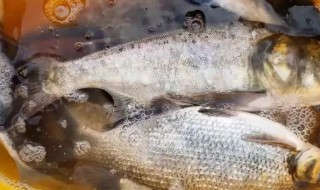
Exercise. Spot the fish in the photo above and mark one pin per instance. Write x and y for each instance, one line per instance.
(179, 62)
(252, 10)
(184, 63)
(6, 74)
(204, 148)
(286, 67)
(303, 121)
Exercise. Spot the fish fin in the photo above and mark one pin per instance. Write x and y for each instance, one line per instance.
(163, 104)
(216, 112)
(96, 177)
(268, 139)
(242, 101)
(36, 101)
(120, 102)
(31, 76)
(271, 132)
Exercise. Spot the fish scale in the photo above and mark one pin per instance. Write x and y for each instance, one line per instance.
(178, 148)
(184, 55)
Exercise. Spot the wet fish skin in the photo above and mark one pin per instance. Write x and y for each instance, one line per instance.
(186, 61)
(6, 74)
(181, 62)
(196, 150)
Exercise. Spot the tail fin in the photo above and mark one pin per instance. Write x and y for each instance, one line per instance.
(29, 97)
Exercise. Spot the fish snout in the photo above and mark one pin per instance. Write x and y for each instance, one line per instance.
(306, 166)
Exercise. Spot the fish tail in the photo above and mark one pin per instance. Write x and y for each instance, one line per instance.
(29, 97)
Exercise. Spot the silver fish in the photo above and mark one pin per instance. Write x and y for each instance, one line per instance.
(185, 63)
(182, 62)
(203, 148)
(289, 77)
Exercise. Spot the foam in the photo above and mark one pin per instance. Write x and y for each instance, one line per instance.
(29, 153)
(6, 74)
(63, 123)
(76, 96)
(81, 147)
(20, 125)
(15, 185)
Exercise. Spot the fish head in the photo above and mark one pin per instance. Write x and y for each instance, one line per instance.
(306, 166)
(288, 66)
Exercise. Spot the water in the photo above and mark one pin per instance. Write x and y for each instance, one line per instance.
(50, 27)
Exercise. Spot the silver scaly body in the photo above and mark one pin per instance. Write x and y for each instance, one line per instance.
(182, 62)
(191, 150)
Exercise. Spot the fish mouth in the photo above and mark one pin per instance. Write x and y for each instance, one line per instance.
(304, 167)
(293, 163)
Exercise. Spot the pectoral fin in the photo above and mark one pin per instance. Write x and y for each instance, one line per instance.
(270, 132)
(242, 101)
(271, 140)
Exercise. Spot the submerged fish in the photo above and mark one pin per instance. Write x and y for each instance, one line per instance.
(288, 67)
(36, 152)
(6, 74)
(204, 148)
(182, 62)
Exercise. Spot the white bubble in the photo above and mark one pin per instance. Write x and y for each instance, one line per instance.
(81, 147)
(13, 184)
(20, 125)
(22, 91)
(76, 97)
(63, 123)
(30, 153)
(62, 12)
(6, 74)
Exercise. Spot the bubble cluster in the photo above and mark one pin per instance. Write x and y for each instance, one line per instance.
(22, 91)
(6, 73)
(89, 35)
(194, 21)
(137, 112)
(78, 46)
(20, 125)
(16, 185)
(63, 123)
(81, 147)
(77, 96)
(302, 120)
(30, 153)
(63, 11)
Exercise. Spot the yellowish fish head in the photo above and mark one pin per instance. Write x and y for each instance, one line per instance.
(287, 65)
(306, 166)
